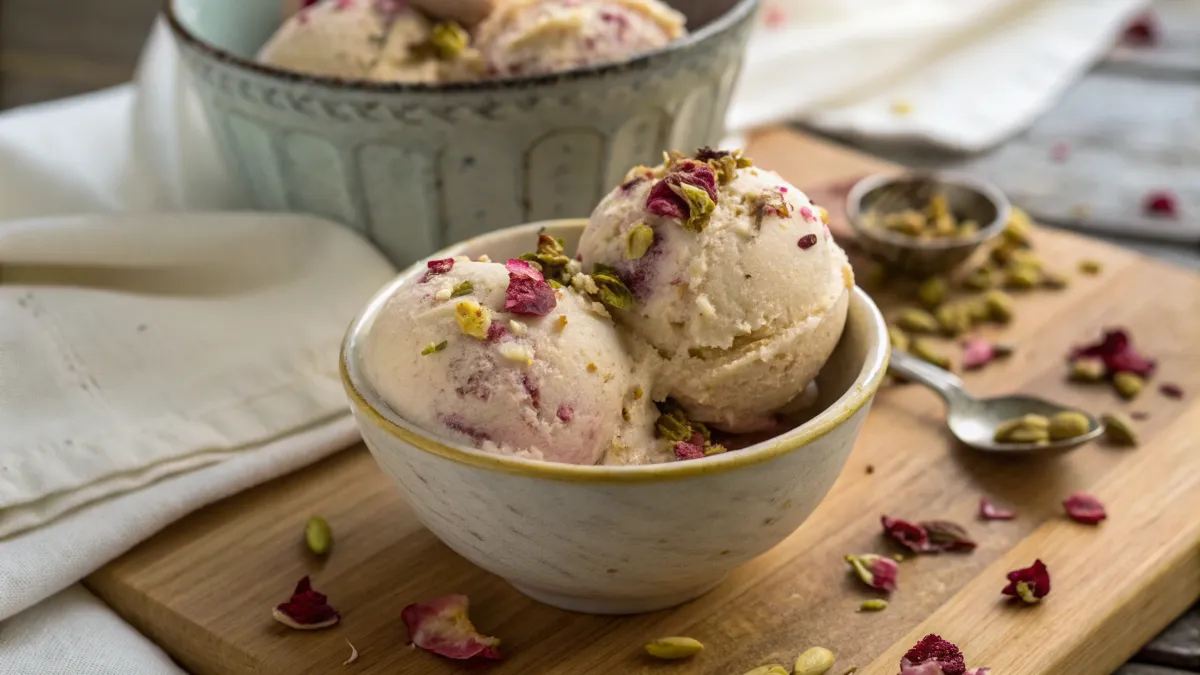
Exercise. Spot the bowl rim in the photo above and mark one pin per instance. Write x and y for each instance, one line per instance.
(868, 183)
(734, 15)
(856, 396)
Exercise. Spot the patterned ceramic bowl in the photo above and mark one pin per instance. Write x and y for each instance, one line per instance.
(618, 539)
(415, 167)
(969, 199)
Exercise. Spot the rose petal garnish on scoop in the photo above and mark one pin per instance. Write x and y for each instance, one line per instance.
(1084, 508)
(442, 626)
(1116, 351)
(1030, 584)
(528, 293)
(875, 571)
(306, 609)
(989, 511)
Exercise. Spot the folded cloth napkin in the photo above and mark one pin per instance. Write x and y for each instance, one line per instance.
(964, 75)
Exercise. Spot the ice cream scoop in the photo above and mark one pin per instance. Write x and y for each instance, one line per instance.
(491, 355)
(525, 37)
(740, 292)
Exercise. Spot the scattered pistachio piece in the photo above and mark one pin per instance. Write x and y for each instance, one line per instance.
(1090, 267)
(464, 288)
(318, 535)
(813, 661)
(917, 321)
(700, 205)
(433, 348)
(875, 605)
(898, 338)
(473, 318)
(637, 393)
(1025, 258)
(1118, 430)
(671, 648)
(980, 279)
(772, 669)
(1026, 429)
(448, 39)
(1068, 424)
(875, 275)
(1054, 279)
(1022, 278)
(1087, 369)
(954, 319)
(977, 308)
(1019, 228)
(851, 670)
(1003, 252)
(1128, 385)
(932, 291)
(926, 352)
(611, 291)
(999, 306)
(638, 241)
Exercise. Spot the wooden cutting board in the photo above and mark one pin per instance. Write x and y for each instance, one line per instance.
(204, 587)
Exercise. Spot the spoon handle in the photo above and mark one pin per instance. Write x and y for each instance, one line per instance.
(944, 382)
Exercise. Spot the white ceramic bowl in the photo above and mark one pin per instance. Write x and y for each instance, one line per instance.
(618, 540)
(415, 167)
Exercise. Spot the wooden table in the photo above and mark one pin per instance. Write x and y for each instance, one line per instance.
(54, 48)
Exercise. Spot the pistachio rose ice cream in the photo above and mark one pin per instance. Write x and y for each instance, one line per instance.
(525, 37)
(739, 290)
(491, 355)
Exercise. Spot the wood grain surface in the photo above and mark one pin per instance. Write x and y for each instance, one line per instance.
(203, 588)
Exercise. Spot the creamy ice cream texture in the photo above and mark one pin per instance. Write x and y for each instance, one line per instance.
(714, 295)
(391, 41)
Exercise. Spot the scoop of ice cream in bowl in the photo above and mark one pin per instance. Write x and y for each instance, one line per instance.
(522, 394)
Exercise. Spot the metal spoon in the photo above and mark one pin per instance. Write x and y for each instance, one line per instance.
(974, 420)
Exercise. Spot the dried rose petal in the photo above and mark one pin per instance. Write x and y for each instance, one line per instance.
(1029, 584)
(306, 609)
(947, 536)
(876, 571)
(664, 198)
(436, 267)
(442, 626)
(1117, 353)
(913, 537)
(774, 17)
(527, 293)
(1142, 31)
(1084, 508)
(496, 332)
(565, 412)
(932, 649)
(807, 241)
(1160, 203)
(1170, 390)
(989, 511)
(977, 353)
(805, 211)
(693, 448)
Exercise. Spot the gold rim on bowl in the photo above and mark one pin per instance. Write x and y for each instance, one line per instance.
(850, 402)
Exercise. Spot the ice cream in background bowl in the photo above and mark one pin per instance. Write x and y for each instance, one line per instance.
(618, 537)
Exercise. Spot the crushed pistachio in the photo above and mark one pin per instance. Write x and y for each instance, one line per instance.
(516, 352)
(318, 535)
(432, 348)
(933, 291)
(1002, 253)
(724, 163)
(873, 605)
(611, 291)
(1128, 385)
(898, 338)
(561, 323)
(1069, 424)
(550, 258)
(591, 368)
(1022, 277)
(671, 648)
(916, 321)
(448, 40)
(700, 205)
(1118, 430)
(517, 328)
(1019, 228)
(473, 318)
(934, 221)
(813, 661)
(999, 304)
(901, 108)
(1090, 267)
(1025, 429)
(461, 289)
(1087, 369)
(954, 319)
(823, 213)
(638, 241)
(925, 351)
(980, 279)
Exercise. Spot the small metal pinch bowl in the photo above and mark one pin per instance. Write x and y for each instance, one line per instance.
(967, 198)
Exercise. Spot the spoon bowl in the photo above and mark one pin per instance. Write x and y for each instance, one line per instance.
(974, 421)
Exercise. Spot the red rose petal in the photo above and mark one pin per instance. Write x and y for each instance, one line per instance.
(436, 267)
(306, 609)
(913, 537)
(442, 626)
(1029, 584)
(1161, 203)
(1142, 31)
(878, 572)
(693, 448)
(565, 412)
(807, 241)
(932, 649)
(977, 353)
(527, 293)
(1170, 390)
(1084, 508)
(663, 201)
(1116, 350)
(989, 511)
(947, 536)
